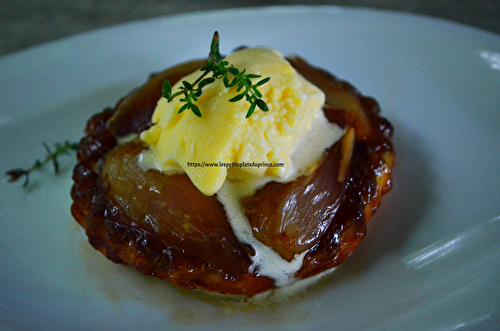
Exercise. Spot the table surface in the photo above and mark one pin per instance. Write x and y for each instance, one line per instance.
(26, 23)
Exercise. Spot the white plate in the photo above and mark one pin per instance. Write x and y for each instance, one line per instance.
(431, 259)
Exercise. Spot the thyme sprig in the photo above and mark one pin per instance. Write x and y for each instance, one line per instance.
(52, 156)
(219, 69)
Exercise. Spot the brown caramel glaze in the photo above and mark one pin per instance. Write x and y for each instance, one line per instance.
(164, 227)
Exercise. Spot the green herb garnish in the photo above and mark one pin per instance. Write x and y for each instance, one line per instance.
(60, 149)
(219, 69)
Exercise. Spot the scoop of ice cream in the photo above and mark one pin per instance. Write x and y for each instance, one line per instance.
(204, 147)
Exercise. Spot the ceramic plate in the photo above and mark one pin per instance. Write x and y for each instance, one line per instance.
(431, 258)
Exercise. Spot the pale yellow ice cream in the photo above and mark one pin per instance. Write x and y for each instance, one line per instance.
(200, 146)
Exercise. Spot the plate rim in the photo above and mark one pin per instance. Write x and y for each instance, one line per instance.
(280, 9)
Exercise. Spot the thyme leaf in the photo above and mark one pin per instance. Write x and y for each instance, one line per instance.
(219, 69)
(51, 157)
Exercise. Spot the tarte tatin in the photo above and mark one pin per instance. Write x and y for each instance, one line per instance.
(163, 226)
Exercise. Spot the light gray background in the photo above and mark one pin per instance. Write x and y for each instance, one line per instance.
(24, 23)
